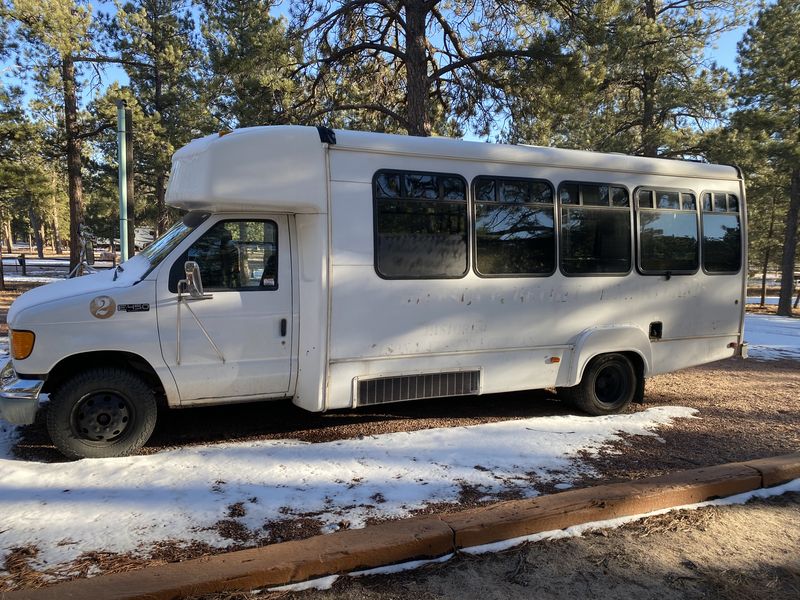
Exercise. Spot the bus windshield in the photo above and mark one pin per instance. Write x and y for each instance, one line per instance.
(160, 249)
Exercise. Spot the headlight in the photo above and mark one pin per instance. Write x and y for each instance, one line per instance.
(22, 344)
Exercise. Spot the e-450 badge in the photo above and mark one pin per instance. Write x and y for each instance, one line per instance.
(141, 307)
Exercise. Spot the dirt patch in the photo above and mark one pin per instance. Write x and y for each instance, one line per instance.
(740, 552)
(769, 309)
(298, 528)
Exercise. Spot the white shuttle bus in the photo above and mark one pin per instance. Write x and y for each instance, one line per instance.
(344, 269)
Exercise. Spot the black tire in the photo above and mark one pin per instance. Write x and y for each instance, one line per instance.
(610, 383)
(101, 413)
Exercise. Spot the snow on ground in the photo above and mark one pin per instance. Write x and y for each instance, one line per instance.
(772, 338)
(32, 278)
(126, 504)
(768, 300)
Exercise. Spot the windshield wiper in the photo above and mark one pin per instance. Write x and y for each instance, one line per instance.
(117, 270)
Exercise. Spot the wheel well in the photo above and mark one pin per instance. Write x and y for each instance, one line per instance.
(637, 361)
(638, 364)
(79, 362)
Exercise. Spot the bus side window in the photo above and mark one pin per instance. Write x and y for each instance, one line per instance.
(722, 235)
(668, 233)
(420, 222)
(514, 227)
(595, 229)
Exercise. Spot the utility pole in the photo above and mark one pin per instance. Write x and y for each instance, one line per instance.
(122, 154)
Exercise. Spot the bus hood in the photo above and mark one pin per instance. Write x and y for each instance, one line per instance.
(134, 270)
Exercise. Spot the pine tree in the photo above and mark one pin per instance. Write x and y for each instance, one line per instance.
(646, 88)
(249, 63)
(423, 65)
(767, 89)
(160, 53)
(56, 36)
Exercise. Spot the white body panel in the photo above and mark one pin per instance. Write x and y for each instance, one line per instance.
(245, 327)
(345, 322)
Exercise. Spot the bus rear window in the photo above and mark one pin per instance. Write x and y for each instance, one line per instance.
(722, 234)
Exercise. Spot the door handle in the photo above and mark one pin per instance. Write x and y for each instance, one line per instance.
(283, 327)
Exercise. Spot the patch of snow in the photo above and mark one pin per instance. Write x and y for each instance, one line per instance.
(578, 530)
(771, 337)
(127, 504)
(323, 583)
(32, 278)
(400, 567)
(769, 300)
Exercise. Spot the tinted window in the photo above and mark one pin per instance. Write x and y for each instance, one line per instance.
(668, 232)
(514, 234)
(668, 200)
(667, 241)
(568, 193)
(420, 226)
(722, 243)
(595, 240)
(595, 195)
(619, 196)
(722, 235)
(595, 236)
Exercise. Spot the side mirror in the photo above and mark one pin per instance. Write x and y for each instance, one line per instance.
(193, 282)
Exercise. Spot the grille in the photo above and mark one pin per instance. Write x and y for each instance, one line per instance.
(417, 387)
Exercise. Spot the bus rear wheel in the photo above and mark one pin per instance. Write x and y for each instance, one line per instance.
(610, 383)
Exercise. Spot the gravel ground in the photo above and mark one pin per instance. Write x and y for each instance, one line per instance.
(742, 552)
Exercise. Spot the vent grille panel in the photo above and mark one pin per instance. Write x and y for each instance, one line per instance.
(417, 387)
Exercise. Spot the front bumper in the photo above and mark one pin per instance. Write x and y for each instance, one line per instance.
(19, 398)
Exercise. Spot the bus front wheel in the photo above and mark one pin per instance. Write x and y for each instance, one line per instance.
(101, 413)
(610, 383)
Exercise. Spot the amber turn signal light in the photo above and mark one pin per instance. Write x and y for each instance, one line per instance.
(22, 344)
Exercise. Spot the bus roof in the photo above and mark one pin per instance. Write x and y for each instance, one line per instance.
(284, 167)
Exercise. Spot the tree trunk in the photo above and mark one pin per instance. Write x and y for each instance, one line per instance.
(36, 225)
(649, 141)
(5, 239)
(74, 180)
(767, 249)
(7, 234)
(790, 247)
(417, 88)
(161, 207)
(56, 234)
(129, 168)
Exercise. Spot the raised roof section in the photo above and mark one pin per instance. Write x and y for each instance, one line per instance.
(283, 168)
(258, 168)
